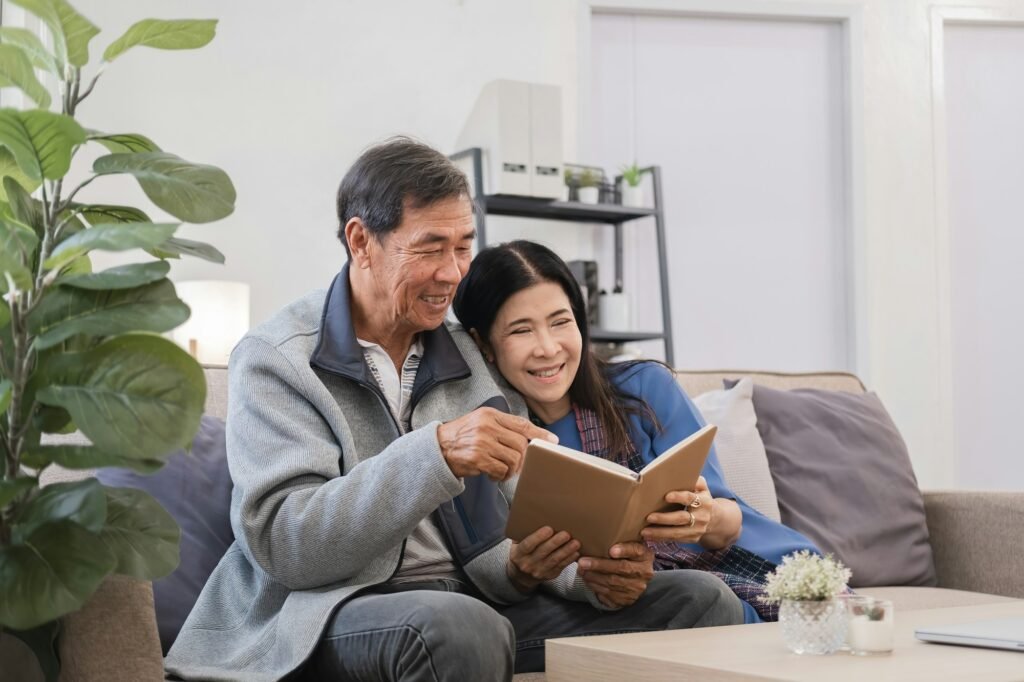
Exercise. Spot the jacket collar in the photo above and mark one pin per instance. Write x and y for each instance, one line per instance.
(338, 352)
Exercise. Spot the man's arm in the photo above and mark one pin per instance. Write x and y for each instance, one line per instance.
(294, 514)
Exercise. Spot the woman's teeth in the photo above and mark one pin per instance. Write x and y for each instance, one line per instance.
(545, 373)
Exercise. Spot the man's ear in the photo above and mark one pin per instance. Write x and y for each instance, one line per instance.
(358, 237)
(484, 347)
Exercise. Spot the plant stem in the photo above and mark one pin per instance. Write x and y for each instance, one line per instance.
(88, 90)
(22, 303)
(67, 202)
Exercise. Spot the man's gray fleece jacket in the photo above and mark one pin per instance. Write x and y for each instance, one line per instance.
(327, 490)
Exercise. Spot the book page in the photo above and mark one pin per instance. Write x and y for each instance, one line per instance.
(585, 459)
(570, 491)
(675, 469)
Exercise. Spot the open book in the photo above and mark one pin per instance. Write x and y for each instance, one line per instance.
(596, 501)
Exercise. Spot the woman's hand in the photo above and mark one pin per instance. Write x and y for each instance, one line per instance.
(540, 556)
(686, 525)
(714, 523)
(621, 580)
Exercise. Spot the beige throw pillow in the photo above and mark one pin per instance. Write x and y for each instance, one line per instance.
(740, 448)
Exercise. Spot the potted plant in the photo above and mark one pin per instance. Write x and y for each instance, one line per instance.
(805, 586)
(589, 189)
(80, 349)
(568, 183)
(632, 192)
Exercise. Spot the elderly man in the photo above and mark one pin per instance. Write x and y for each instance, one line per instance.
(373, 457)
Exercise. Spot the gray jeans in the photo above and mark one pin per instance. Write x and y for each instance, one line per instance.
(433, 631)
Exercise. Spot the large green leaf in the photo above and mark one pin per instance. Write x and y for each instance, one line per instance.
(11, 270)
(71, 31)
(111, 237)
(82, 502)
(17, 246)
(53, 573)
(97, 214)
(18, 242)
(124, 142)
(9, 169)
(24, 208)
(32, 47)
(176, 247)
(10, 489)
(191, 192)
(67, 311)
(140, 534)
(119, 277)
(138, 395)
(178, 34)
(16, 69)
(85, 457)
(41, 141)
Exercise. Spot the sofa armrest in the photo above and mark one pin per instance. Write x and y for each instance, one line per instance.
(114, 636)
(976, 540)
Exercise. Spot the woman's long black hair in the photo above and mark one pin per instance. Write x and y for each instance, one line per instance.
(499, 272)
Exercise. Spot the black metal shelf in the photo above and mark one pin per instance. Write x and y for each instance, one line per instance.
(577, 212)
(623, 337)
(573, 211)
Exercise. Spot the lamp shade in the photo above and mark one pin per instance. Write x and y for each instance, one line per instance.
(220, 318)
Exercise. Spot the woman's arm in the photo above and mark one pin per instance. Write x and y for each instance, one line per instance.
(725, 526)
(718, 520)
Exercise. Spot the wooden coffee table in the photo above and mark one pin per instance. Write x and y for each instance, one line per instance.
(756, 652)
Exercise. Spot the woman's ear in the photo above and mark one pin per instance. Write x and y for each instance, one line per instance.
(484, 347)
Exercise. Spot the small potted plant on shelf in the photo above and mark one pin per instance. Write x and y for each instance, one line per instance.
(632, 192)
(806, 587)
(589, 190)
(570, 181)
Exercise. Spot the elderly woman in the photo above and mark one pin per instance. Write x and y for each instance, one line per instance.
(526, 312)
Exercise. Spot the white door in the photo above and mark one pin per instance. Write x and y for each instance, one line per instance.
(984, 86)
(746, 119)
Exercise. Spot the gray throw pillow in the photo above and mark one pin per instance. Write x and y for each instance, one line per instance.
(195, 488)
(843, 478)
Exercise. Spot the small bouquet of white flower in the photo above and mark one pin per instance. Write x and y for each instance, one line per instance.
(805, 576)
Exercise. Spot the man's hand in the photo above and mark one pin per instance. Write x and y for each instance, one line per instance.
(540, 556)
(621, 580)
(488, 442)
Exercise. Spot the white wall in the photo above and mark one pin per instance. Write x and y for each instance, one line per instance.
(289, 93)
(747, 120)
(984, 89)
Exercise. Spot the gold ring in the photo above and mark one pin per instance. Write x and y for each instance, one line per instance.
(696, 502)
(693, 519)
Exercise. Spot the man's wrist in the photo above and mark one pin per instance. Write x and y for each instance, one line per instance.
(522, 582)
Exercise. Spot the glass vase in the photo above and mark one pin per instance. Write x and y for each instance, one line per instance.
(813, 627)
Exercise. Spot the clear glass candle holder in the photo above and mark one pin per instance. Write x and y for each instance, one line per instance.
(870, 625)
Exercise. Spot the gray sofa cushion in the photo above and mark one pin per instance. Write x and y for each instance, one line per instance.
(195, 487)
(843, 478)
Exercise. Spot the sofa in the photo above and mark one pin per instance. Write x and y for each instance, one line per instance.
(974, 538)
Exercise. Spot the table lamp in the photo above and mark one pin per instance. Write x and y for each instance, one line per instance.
(220, 317)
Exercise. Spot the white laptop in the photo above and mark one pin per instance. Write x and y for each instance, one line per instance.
(1000, 633)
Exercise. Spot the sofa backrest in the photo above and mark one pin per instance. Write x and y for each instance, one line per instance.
(216, 390)
(695, 382)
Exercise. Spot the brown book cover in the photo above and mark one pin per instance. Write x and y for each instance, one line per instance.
(597, 501)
